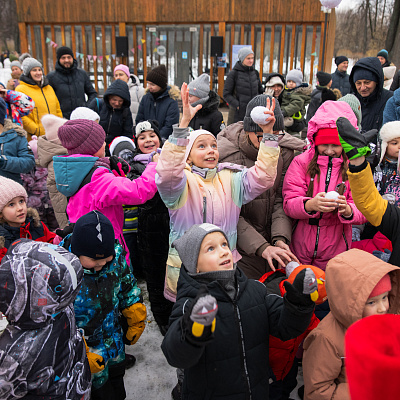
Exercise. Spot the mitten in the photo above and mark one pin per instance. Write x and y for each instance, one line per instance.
(96, 362)
(132, 322)
(66, 231)
(198, 322)
(383, 255)
(353, 142)
(119, 166)
(304, 290)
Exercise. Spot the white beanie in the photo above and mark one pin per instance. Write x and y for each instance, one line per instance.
(275, 80)
(84, 113)
(388, 132)
(192, 137)
(296, 76)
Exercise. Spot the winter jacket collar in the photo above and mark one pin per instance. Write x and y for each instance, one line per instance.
(342, 74)
(66, 71)
(30, 82)
(133, 81)
(47, 150)
(10, 131)
(210, 105)
(244, 68)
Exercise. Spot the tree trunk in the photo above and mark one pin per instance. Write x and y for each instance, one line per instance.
(393, 36)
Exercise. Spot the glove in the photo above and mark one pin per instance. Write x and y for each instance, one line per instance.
(383, 255)
(96, 362)
(353, 142)
(66, 231)
(119, 166)
(132, 322)
(198, 322)
(304, 291)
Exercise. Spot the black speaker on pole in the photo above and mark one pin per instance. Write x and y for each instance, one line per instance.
(122, 46)
(217, 46)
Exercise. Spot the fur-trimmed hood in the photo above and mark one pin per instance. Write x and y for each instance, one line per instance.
(9, 125)
(304, 89)
(388, 132)
(172, 91)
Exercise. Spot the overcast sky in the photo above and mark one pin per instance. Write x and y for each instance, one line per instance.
(347, 4)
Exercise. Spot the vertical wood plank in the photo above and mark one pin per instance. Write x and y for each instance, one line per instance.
(262, 51)
(282, 47)
(103, 45)
(53, 38)
(201, 44)
(212, 60)
(23, 37)
(94, 54)
(113, 50)
(271, 52)
(232, 43)
(135, 57)
(122, 32)
(321, 45)
(292, 45)
(73, 39)
(314, 39)
(84, 49)
(144, 52)
(303, 47)
(63, 35)
(242, 35)
(221, 71)
(252, 42)
(44, 49)
(32, 28)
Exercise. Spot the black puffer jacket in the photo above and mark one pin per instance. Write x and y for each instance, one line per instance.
(234, 365)
(70, 86)
(340, 80)
(314, 103)
(241, 85)
(372, 106)
(117, 122)
(209, 117)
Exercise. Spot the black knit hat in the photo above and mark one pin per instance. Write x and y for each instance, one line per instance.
(340, 59)
(93, 236)
(158, 76)
(149, 125)
(62, 51)
(323, 78)
(261, 100)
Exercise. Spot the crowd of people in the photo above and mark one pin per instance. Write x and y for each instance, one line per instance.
(266, 242)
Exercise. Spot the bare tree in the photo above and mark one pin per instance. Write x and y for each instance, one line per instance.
(8, 24)
(393, 35)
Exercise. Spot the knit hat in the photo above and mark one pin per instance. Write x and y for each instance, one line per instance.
(30, 63)
(23, 56)
(327, 94)
(192, 138)
(84, 113)
(93, 236)
(275, 80)
(51, 123)
(149, 125)
(373, 357)
(362, 73)
(291, 273)
(33, 145)
(15, 63)
(388, 132)
(10, 189)
(384, 285)
(323, 78)
(327, 136)
(158, 76)
(188, 245)
(120, 145)
(124, 69)
(200, 87)
(261, 100)
(3, 111)
(383, 53)
(81, 136)
(244, 52)
(340, 59)
(62, 51)
(355, 105)
(296, 76)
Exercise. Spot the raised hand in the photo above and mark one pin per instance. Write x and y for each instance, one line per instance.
(188, 112)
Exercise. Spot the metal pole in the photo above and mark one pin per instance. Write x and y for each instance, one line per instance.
(323, 46)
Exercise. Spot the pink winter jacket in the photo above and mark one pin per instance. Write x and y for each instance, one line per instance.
(318, 237)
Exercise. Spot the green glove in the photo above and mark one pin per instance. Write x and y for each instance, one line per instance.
(353, 142)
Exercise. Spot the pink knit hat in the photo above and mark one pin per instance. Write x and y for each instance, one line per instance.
(81, 136)
(123, 68)
(10, 189)
(384, 285)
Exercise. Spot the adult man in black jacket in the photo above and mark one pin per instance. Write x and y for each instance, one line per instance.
(70, 83)
(340, 78)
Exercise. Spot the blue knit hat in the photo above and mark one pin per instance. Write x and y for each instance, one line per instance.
(3, 111)
(383, 53)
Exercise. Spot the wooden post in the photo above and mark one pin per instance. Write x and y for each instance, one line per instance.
(135, 56)
(113, 62)
(73, 40)
(262, 51)
(321, 45)
(53, 38)
(330, 41)
(303, 47)
(84, 50)
(201, 49)
(63, 35)
(282, 48)
(221, 70)
(23, 37)
(144, 52)
(122, 32)
(292, 45)
(271, 52)
(94, 54)
(252, 39)
(232, 43)
(314, 39)
(103, 45)
(32, 28)
(212, 61)
(44, 49)
(242, 35)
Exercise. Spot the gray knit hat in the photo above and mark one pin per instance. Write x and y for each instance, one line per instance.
(261, 100)
(15, 63)
(30, 63)
(200, 87)
(296, 76)
(244, 52)
(355, 105)
(188, 245)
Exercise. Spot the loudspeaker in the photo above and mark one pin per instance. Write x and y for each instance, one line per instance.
(217, 46)
(122, 46)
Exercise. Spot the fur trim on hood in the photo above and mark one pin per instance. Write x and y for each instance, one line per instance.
(8, 125)
(388, 132)
(173, 91)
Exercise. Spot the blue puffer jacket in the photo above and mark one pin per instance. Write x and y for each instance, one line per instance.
(15, 156)
(164, 109)
(392, 108)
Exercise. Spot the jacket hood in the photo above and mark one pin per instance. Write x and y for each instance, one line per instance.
(38, 281)
(171, 91)
(134, 81)
(326, 117)
(27, 80)
(47, 150)
(371, 64)
(10, 126)
(70, 171)
(240, 67)
(303, 90)
(350, 278)
(389, 71)
(60, 68)
(210, 105)
(272, 74)
(121, 89)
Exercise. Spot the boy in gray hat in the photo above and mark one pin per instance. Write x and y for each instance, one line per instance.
(208, 117)
(221, 320)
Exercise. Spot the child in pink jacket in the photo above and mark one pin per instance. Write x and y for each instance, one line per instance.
(85, 177)
(323, 220)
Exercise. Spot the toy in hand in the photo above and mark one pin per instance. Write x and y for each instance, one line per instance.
(258, 116)
(304, 290)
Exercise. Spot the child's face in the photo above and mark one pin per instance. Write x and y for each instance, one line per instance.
(148, 141)
(153, 88)
(115, 101)
(14, 212)
(193, 99)
(204, 153)
(91, 263)
(376, 305)
(331, 150)
(392, 150)
(214, 254)
(290, 84)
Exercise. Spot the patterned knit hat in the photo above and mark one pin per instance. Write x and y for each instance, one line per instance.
(84, 113)
(244, 52)
(200, 87)
(355, 105)
(81, 136)
(30, 63)
(158, 76)
(261, 100)
(10, 189)
(123, 68)
(296, 76)
(150, 125)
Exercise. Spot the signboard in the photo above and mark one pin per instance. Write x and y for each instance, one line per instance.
(184, 55)
(221, 61)
(161, 50)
